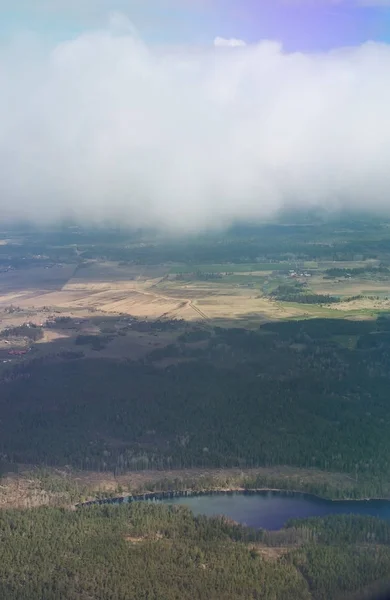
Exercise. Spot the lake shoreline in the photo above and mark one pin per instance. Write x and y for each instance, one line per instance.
(164, 494)
(67, 487)
(268, 509)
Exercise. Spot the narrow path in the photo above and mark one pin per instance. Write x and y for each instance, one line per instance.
(197, 310)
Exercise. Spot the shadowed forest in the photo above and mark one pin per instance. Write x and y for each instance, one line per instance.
(302, 393)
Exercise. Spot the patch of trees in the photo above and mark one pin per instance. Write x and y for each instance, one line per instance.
(12, 309)
(357, 297)
(299, 293)
(28, 330)
(60, 323)
(355, 272)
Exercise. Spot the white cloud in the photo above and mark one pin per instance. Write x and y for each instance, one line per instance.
(231, 42)
(103, 126)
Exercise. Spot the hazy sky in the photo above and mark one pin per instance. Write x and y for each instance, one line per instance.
(298, 24)
(186, 113)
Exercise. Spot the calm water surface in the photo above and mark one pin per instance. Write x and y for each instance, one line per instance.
(271, 510)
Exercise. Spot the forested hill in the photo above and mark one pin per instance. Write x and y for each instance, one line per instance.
(155, 552)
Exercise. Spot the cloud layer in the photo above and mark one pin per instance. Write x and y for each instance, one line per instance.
(189, 138)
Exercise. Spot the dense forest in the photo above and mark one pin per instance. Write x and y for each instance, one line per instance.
(303, 393)
(151, 551)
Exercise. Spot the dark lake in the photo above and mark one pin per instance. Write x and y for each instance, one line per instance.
(271, 510)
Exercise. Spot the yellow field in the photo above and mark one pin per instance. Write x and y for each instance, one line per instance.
(149, 292)
(110, 289)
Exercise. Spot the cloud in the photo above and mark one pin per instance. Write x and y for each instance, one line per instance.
(190, 138)
(231, 42)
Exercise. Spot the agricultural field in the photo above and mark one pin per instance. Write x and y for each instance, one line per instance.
(108, 289)
(233, 267)
(156, 293)
(98, 280)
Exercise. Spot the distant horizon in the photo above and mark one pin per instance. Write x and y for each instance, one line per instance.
(297, 217)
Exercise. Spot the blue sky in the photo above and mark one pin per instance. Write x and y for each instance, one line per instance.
(307, 25)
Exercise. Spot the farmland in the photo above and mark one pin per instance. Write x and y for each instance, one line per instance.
(77, 273)
(98, 281)
(96, 290)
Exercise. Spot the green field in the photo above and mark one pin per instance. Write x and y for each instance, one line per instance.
(238, 279)
(376, 293)
(323, 312)
(231, 267)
